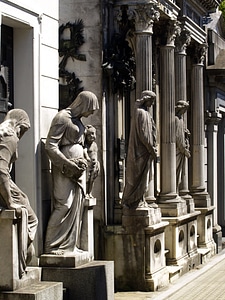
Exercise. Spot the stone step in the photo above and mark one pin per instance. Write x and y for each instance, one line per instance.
(42, 290)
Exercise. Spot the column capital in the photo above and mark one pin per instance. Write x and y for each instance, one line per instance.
(168, 31)
(213, 118)
(182, 41)
(143, 16)
(199, 54)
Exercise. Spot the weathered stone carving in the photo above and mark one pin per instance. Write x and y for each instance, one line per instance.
(91, 154)
(65, 148)
(69, 86)
(16, 123)
(182, 140)
(141, 150)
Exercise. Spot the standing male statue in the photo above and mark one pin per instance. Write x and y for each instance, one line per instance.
(141, 150)
(182, 142)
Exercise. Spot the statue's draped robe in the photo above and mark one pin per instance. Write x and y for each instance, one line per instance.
(181, 146)
(142, 143)
(65, 141)
(27, 223)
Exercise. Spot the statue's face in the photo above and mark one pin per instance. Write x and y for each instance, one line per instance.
(20, 130)
(149, 101)
(91, 135)
(87, 113)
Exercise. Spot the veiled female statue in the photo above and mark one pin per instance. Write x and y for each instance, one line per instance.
(16, 123)
(65, 148)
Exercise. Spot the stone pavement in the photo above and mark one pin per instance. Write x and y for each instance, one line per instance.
(205, 282)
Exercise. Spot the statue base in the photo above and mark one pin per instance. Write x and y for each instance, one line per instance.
(138, 253)
(69, 260)
(181, 242)
(36, 291)
(12, 286)
(206, 243)
(93, 280)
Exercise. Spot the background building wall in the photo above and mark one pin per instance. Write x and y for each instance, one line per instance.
(35, 48)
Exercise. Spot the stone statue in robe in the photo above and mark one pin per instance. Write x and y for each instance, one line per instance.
(141, 150)
(15, 124)
(182, 140)
(65, 148)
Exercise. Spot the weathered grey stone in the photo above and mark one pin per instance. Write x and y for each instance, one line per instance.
(36, 291)
(95, 280)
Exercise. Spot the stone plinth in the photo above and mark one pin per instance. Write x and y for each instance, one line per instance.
(181, 241)
(173, 208)
(9, 262)
(138, 250)
(65, 261)
(94, 280)
(205, 230)
(29, 286)
(36, 291)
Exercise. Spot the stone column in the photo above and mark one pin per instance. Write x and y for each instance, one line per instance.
(144, 16)
(170, 203)
(182, 42)
(212, 132)
(198, 188)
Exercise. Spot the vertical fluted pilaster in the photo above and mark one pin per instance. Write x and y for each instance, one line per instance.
(168, 142)
(198, 188)
(181, 94)
(144, 16)
(143, 62)
(170, 203)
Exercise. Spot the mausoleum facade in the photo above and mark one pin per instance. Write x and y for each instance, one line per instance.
(53, 50)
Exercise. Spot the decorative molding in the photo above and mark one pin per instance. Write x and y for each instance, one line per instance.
(144, 16)
(182, 41)
(200, 54)
(69, 86)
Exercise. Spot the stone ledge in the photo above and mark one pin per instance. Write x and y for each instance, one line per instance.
(64, 261)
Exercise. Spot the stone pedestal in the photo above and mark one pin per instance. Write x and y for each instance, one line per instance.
(12, 287)
(36, 291)
(181, 241)
(82, 277)
(94, 280)
(138, 250)
(205, 230)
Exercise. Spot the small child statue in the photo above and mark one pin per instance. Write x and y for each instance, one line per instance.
(91, 154)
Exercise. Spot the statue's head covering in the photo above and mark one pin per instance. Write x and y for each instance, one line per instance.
(181, 104)
(18, 117)
(84, 102)
(16, 122)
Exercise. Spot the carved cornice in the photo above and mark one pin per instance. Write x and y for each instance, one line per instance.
(209, 4)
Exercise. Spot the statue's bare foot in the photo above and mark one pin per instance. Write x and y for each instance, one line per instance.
(57, 252)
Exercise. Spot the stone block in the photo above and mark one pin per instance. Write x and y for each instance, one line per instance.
(205, 229)
(9, 262)
(139, 257)
(64, 261)
(36, 291)
(95, 280)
